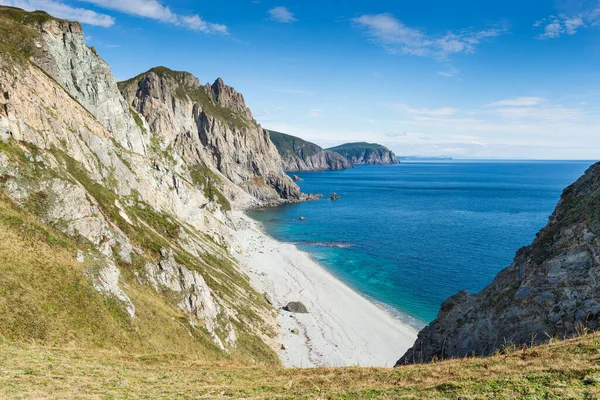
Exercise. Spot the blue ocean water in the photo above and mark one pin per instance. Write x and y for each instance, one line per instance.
(410, 235)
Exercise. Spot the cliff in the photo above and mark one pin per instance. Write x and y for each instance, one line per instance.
(114, 210)
(300, 155)
(366, 153)
(551, 290)
(209, 126)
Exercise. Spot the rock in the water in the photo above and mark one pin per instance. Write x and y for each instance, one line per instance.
(302, 218)
(334, 196)
(296, 307)
(296, 178)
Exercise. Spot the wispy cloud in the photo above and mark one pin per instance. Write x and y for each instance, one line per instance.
(555, 26)
(61, 10)
(154, 9)
(282, 14)
(315, 113)
(396, 37)
(518, 102)
(449, 73)
(426, 111)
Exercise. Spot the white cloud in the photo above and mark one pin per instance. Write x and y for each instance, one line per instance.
(315, 113)
(396, 37)
(568, 24)
(154, 9)
(450, 73)
(518, 102)
(426, 111)
(282, 14)
(61, 10)
(524, 127)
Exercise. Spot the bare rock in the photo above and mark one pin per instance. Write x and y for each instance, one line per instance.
(296, 307)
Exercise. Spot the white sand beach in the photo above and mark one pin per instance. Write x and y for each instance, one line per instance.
(342, 328)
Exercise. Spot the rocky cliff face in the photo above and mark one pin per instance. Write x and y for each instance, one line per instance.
(552, 288)
(209, 126)
(366, 153)
(137, 195)
(300, 155)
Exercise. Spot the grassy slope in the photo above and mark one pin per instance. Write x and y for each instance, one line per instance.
(48, 297)
(288, 144)
(359, 147)
(562, 369)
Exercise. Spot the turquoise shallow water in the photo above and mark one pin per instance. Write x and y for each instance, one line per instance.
(410, 235)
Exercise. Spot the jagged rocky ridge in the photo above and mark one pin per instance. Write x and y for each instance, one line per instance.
(209, 126)
(552, 288)
(141, 186)
(300, 155)
(366, 153)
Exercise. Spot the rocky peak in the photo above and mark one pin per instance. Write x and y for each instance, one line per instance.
(210, 126)
(552, 288)
(60, 51)
(228, 97)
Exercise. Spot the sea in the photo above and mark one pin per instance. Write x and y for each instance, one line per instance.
(407, 236)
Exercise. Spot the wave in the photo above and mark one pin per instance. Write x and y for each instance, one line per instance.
(336, 245)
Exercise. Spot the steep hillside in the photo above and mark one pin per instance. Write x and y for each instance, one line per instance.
(366, 153)
(552, 288)
(300, 155)
(114, 218)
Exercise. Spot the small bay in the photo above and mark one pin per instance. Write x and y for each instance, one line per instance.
(409, 235)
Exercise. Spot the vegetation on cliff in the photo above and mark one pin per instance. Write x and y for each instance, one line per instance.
(300, 155)
(366, 153)
(550, 290)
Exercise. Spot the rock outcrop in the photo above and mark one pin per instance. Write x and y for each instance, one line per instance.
(552, 288)
(300, 155)
(366, 153)
(209, 126)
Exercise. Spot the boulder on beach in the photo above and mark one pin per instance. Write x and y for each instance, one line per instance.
(296, 307)
(334, 196)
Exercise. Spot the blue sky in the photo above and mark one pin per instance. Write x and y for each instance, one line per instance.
(467, 79)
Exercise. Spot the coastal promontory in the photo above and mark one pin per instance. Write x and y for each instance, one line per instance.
(366, 153)
(299, 155)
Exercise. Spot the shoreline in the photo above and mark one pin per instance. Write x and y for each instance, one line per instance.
(342, 327)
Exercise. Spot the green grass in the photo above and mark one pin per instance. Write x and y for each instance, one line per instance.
(550, 371)
(360, 149)
(209, 181)
(17, 36)
(137, 119)
(288, 144)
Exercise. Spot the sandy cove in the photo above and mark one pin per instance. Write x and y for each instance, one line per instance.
(342, 328)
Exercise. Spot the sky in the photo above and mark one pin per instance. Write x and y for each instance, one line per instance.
(463, 78)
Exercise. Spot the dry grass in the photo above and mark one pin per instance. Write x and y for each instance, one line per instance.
(47, 296)
(565, 369)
